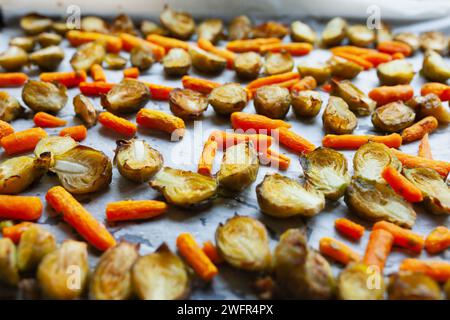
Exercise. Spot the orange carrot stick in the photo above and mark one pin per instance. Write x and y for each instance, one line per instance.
(45, 120)
(131, 73)
(438, 240)
(294, 48)
(79, 218)
(159, 120)
(398, 56)
(12, 79)
(69, 79)
(129, 42)
(376, 58)
(211, 251)
(352, 142)
(206, 161)
(76, 38)
(354, 50)
(386, 94)
(378, 248)
(425, 148)
(419, 129)
(134, 210)
(250, 44)
(274, 159)
(289, 84)
(201, 85)
(118, 124)
(393, 47)
(249, 121)
(401, 185)
(439, 89)
(22, 141)
(227, 139)
(14, 232)
(5, 129)
(327, 87)
(338, 251)
(78, 133)
(166, 42)
(439, 270)
(307, 83)
(97, 73)
(158, 91)
(224, 53)
(402, 237)
(410, 161)
(95, 88)
(20, 207)
(265, 81)
(349, 228)
(293, 141)
(356, 59)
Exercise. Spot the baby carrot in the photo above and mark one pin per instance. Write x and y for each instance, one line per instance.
(227, 139)
(77, 37)
(289, 84)
(401, 185)
(349, 228)
(69, 79)
(129, 42)
(131, 73)
(45, 120)
(402, 237)
(250, 44)
(376, 58)
(357, 51)
(439, 89)
(22, 141)
(5, 129)
(15, 231)
(201, 85)
(294, 48)
(206, 161)
(438, 240)
(97, 73)
(12, 79)
(134, 210)
(386, 94)
(95, 88)
(224, 53)
(20, 207)
(338, 251)
(439, 270)
(118, 124)
(410, 161)
(307, 83)
(159, 120)
(211, 251)
(78, 133)
(274, 159)
(419, 129)
(265, 81)
(249, 121)
(353, 142)
(356, 59)
(293, 141)
(158, 91)
(425, 148)
(378, 248)
(398, 56)
(393, 47)
(166, 42)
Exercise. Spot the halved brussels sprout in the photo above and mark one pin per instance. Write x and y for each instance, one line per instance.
(411, 39)
(17, 174)
(392, 117)
(83, 170)
(210, 29)
(205, 61)
(270, 29)
(141, 57)
(123, 24)
(395, 72)
(9, 274)
(34, 23)
(184, 188)
(14, 58)
(149, 27)
(228, 98)
(301, 272)
(115, 61)
(94, 24)
(240, 28)
(48, 58)
(272, 101)
(60, 27)
(354, 283)
(161, 275)
(112, 276)
(413, 286)
(243, 242)
(44, 96)
(180, 24)
(247, 65)
(278, 62)
(343, 68)
(47, 39)
(435, 191)
(136, 160)
(85, 110)
(334, 32)
(177, 62)
(127, 96)
(434, 40)
(187, 104)
(306, 103)
(326, 171)
(435, 68)
(301, 32)
(283, 197)
(320, 72)
(10, 109)
(383, 33)
(360, 35)
(26, 43)
(357, 101)
(87, 55)
(52, 146)
(377, 201)
(337, 117)
(63, 274)
(430, 105)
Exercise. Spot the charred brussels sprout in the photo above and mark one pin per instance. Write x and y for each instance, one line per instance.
(52, 146)
(344, 69)
(187, 104)
(357, 101)
(123, 24)
(142, 58)
(247, 65)
(270, 29)
(360, 35)
(392, 117)
(87, 55)
(228, 98)
(411, 39)
(278, 62)
(25, 43)
(14, 58)
(206, 62)
(210, 29)
(94, 24)
(337, 117)
(180, 24)
(85, 110)
(240, 28)
(272, 101)
(433, 40)
(48, 58)
(430, 105)
(47, 39)
(149, 27)
(127, 96)
(34, 23)
(301, 32)
(413, 286)
(10, 109)
(9, 274)
(334, 32)
(60, 27)
(435, 68)
(306, 103)
(177, 62)
(115, 61)
(395, 72)
(354, 281)
(44, 96)
(320, 72)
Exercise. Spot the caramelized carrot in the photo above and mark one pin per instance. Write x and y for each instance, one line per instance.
(250, 44)
(401, 185)
(201, 85)
(354, 50)
(206, 161)
(402, 237)
(78, 133)
(167, 43)
(45, 120)
(127, 210)
(289, 84)
(438, 240)
(274, 159)
(378, 248)
(353, 142)
(77, 37)
(97, 73)
(5, 129)
(131, 73)
(393, 47)
(398, 56)
(376, 58)
(22, 141)
(227, 139)
(293, 141)
(20, 207)
(338, 251)
(69, 79)
(439, 270)
(356, 59)
(95, 88)
(265, 81)
(224, 53)
(307, 83)
(12, 79)
(439, 89)
(158, 91)
(294, 48)
(249, 121)
(211, 251)
(159, 120)
(410, 161)
(129, 42)
(419, 129)
(386, 94)
(349, 228)
(118, 124)
(425, 148)
(14, 232)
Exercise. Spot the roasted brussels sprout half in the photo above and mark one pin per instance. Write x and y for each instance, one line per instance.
(430, 105)
(413, 286)
(272, 101)
(343, 69)
(122, 24)
(318, 71)
(278, 62)
(243, 242)
(360, 35)
(383, 33)
(112, 276)
(301, 272)
(435, 191)
(283, 197)
(247, 65)
(205, 61)
(354, 283)
(9, 274)
(377, 201)
(10, 109)
(56, 271)
(14, 58)
(337, 117)
(184, 188)
(435, 68)
(52, 146)
(94, 24)
(141, 57)
(210, 29)
(149, 27)
(180, 24)
(177, 62)
(270, 29)
(334, 32)
(34, 23)
(127, 96)
(393, 117)
(25, 43)
(187, 104)
(87, 55)
(411, 39)
(85, 110)
(115, 61)
(434, 40)
(326, 171)
(83, 170)
(357, 101)
(395, 72)
(161, 275)
(60, 27)
(301, 32)
(47, 39)
(240, 28)
(306, 103)
(228, 98)
(48, 58)
(44, 96)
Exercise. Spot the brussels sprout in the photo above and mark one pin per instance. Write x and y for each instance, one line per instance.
(357, 101)
(35, 243)
(60, 27)
(161, 275)
(318, 71)
(228, 98)
(115, 61)
(301, 272)
(44, 96)
(354, 283)
(83, 170)
(272, 101)
(210, 29)
(433, 40)
(142, 58)
(435, 68)
(383, 33)
(184, 188)
(149, 27)
(306, 103)
(343, 69)
(87, 55)
(326, 171)
(243, 243)
(127, 96)
(370, 160)
(205, 61)
(436, 192)
(25, 43)
(47, 39)
(17, 174)
(430, 105)
(180, 24)
(9, 274)
(301, 32)
(413, 286)
(395, 72)
(54, 146)
(48, 58)
(14, 58)
(34, 23)
(411, 39)
(10, 109)
(136, 161)
(278, 62)
(270, 29)
(123, 24)
(359, 35)
(177, 62)
(85, 110)
(247, 65)
(392, 117)
(334, 32)
(282, 197)
(112, 276)
(377, 201)
(240, 28)
(337, 117)
(187, 104)
(63, 274)
(94, 24)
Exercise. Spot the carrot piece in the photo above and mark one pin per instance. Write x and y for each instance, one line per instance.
(159, 120)
(402, 237)
(201, 85)
(97, 73)
(437, 269)
(401, 185)
(274, 159)
(265, 81)
(352, 142)
(307, 83)
(378, 248)
(294, 48)
(166, 42)
(45, 120)
(293, 141)
(439, 89)
(438, 240)
(410, 161)
(5, 129)
(134, 210)
(356, 59)
(250, 44)
(398, 56)
(349, 228)
(69, 79)
(79, 218)
(386, 94)
(118, 124)
(393, 47)
(77, 37)
(195, 257)
(78, 133)
(376, 58)
(20, 207)
(289, 84)
(211, 251)
(12, 79)
(158, 92)
(224, 53)
(14, 232)
(227, 139)
(131, 73)
(357, 51)
(327, 87)
(419, 129)
(206, 161)
(129, 42)
(338, 251)
(425, 148)
(22, 141)
(249, 121)
(95, 88)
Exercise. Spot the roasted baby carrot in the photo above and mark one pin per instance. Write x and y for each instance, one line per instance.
(134, 210)
(439, 89)
(131, 73)
(118, 124)
(294, 48)
(45, 120)
(439, 270)
(349, 228)
(402, 237)
(378, 248)
(22, 141)
(356, 59)
(69, 79)
(419, 129)
(289, 84)
(376, 58)
(211, 251)
(77, 37)
(393, 47)
(129, 42)
(250, 44)
(357, 51)
(5, 129)
(224, 53)
(20, 207)
(338, 251)
(401, 185)
(167, 43)
(425, 148)
(410, 161)
(12, 79)
(206, 161)
(353, 142)
(201, 85)
(158, 91)
(265, 81)
(78, 133)
(438, 240)
(97, 73)
(248, 121)
(398, 56)
(307, 83)
(95, 88)
(274, 159)
(293, 141)
(15, 231)
(227, 139)
(386, 94)
(159, 120)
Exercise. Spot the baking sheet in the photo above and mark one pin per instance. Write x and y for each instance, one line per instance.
(230, 283)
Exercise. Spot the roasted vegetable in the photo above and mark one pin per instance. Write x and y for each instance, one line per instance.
(383, 33)
(115, 61)
(127, 96)
(85, 110)
(343, 69)
(142, 58)
(358, 282)
(413, 286)
(301, 32)
(25, 43)
(393, 117)
(177, 62)
(48, 58)
(184, 188)
(247, 65)
(360, 35)
(434, 40)
(240, 28)
(306, 103)
(411, 39)
(87, 55)
(44, 96)
(270, 29)
(447, 289)
(228, 98)
(149, 27)
(210, 29)
(54, 146)
(318, 71)
(334, 32)
(14, 58)
(205, 61)
(337, 117)
(47, 39)
(357, 101)
(272, 101)
(123, 24)
(10, 109)
(9, 273)
(34, 23)
(430, 105)
(243, 242)
(60, 27)
(435, 68)
(94, 24)
(186, 103)
(180, 24)
(278, 62)
(395, 72)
